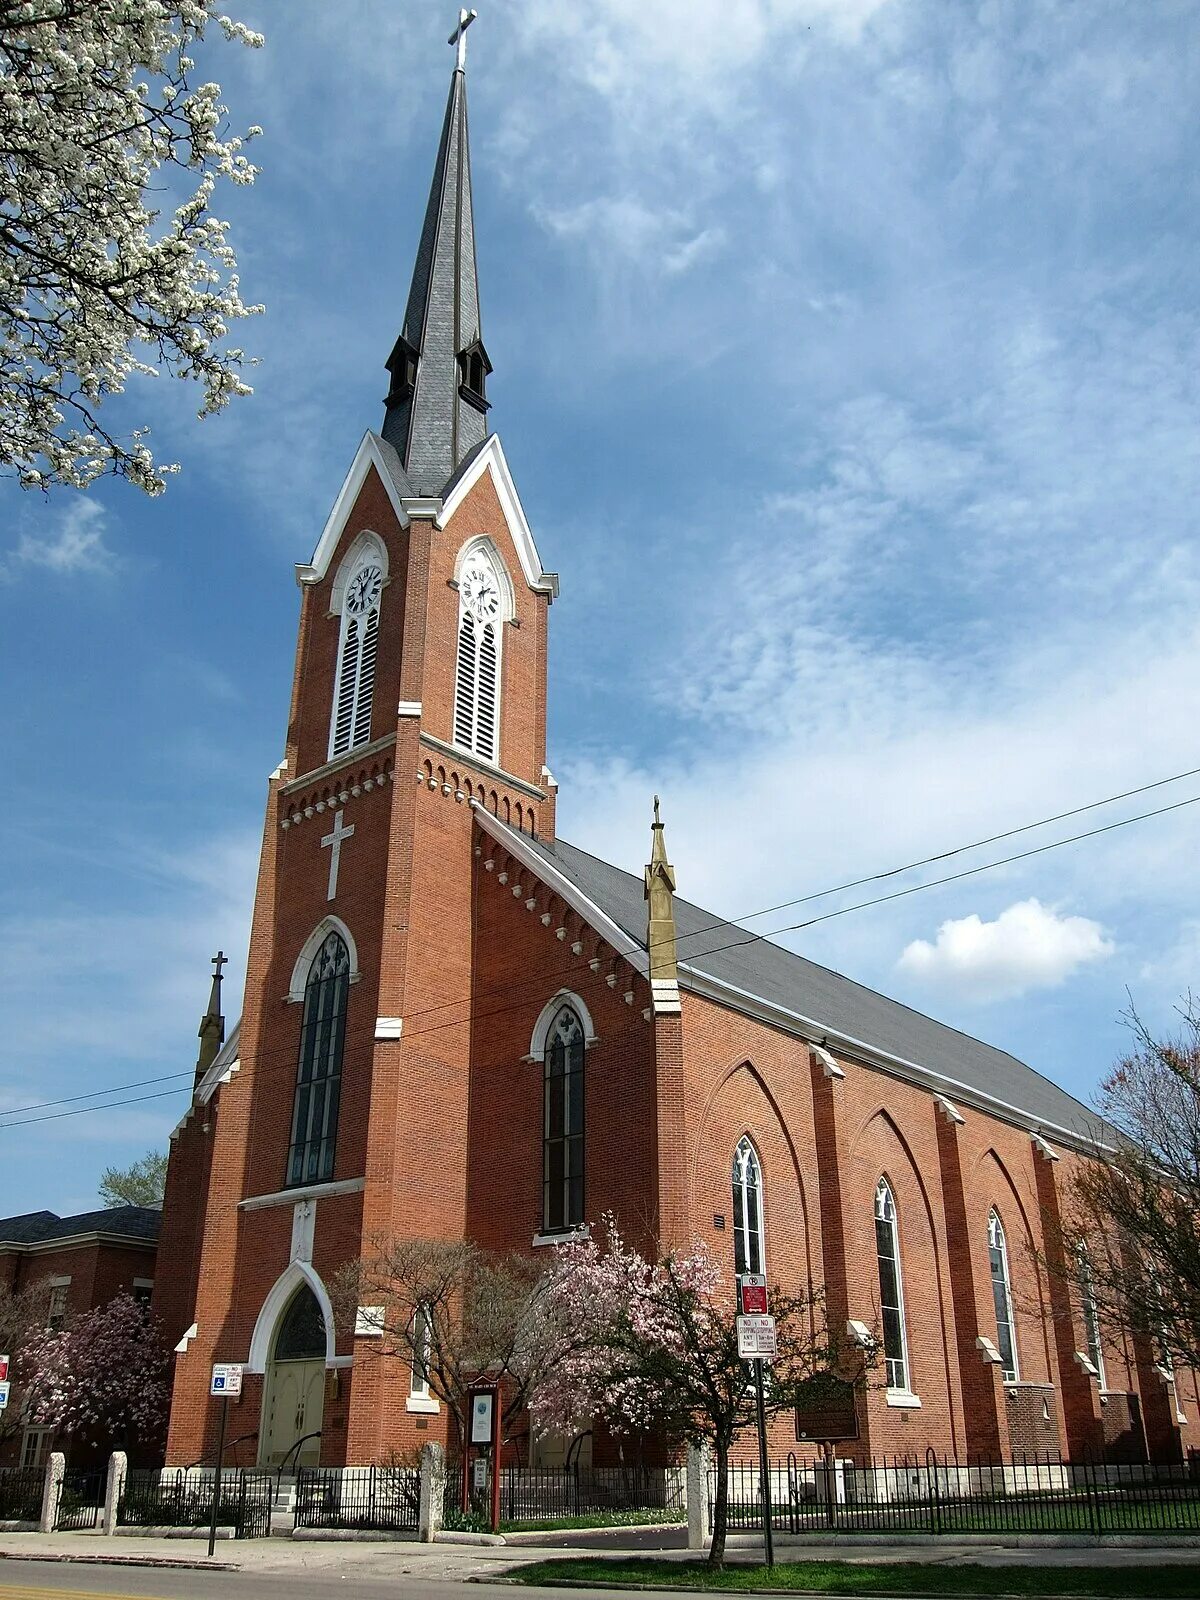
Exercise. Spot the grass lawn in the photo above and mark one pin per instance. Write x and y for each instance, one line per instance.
(596, 1519)
(873, 1578)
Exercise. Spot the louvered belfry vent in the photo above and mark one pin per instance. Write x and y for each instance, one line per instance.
(354, 690)
(481, 612)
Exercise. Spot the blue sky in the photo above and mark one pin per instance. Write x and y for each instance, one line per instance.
(846, 359)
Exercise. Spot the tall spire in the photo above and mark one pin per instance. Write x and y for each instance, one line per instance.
(212, 1023)
(436, 408)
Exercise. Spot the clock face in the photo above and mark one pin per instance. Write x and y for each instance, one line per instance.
(364, 591)
(480, 594)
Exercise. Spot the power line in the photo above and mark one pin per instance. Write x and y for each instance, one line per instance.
(82, 1111)
(475, 1015)
(116, 1088)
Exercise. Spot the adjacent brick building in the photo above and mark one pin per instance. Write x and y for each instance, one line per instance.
(72, 1264)
(456, 1023)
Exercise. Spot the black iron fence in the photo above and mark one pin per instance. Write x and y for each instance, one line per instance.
(21, 1493)
(184, 1499)
(80, 1499)
(547, 1494)
(387, 1498)
(937, 1494)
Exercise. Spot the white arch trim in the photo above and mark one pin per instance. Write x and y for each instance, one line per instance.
(276, 1303)
(541, 1028)
(368, 543)
(312, 944)
(482, 544)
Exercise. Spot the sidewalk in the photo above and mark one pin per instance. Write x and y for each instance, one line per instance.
(392, 1558)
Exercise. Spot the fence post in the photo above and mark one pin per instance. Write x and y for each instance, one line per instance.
(931, 1467)
(433, 1492)
(699, 1527)
(114, 1488)
(56, 1467)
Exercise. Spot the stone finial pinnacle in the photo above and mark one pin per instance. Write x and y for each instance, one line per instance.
(660, 894)
(212, 1023)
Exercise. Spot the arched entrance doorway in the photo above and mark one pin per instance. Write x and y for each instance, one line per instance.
(294, 1385)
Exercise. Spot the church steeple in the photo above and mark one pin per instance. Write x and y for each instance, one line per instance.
(660, 923)
(436, 407)
(212, 1023)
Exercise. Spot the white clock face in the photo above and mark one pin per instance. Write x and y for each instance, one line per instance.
(480, 594)
(364, 591)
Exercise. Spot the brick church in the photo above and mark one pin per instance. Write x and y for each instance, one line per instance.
(458, 1024)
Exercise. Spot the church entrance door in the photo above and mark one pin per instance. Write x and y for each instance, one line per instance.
(294, 1390)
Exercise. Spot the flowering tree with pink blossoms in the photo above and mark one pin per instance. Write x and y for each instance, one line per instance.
(652, 1346)
(105, 1375)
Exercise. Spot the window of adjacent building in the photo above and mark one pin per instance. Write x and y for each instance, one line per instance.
(358, 646)
(1006, 1340)
(749, 1254)
(143, 1289)
(562, 1161)
(422, 1347)
(891, 1289)
(477, 666)
(56, 1306)
(35, 1446)
(319, 1075)
(1091, 1316)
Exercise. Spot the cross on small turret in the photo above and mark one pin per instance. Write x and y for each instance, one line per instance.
(459, 37)
(218, 961)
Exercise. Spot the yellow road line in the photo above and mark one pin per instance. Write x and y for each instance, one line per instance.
(28, 1592)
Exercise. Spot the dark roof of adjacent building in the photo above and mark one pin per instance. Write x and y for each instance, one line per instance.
(44, 1227)
(761, 970)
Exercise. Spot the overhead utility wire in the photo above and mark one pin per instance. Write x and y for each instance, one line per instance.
(116, 1088)
(751, 938)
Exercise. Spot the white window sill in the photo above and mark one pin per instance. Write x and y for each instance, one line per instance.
(423, 1404)
(903, 1399)
(567, 1236)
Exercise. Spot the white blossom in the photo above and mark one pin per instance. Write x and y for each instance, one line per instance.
(98, 118)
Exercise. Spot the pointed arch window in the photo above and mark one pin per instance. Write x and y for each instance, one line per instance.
(1006, 1337)
(891, 1288)
(319, 1074)
(358, 648)
(481, 613)
(562, 1148)
(1091, 1315)
(749, 1252)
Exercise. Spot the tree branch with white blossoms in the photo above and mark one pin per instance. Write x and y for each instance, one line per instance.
(98, 111)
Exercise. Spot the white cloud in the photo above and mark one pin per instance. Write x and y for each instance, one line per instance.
(1028, 946)
(69, 544)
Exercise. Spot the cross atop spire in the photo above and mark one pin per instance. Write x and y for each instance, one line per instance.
(212, 1023)
(459, 37)
(436, 406)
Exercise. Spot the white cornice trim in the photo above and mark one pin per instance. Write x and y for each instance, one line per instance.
(311, 1191)
(73, 1241)
(491, 459)
(518, 844)
(367, 456)
(349, 758)
(795, 1022)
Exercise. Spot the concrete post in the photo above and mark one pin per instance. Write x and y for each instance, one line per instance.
(56, 1467)
(433, 1492)
(699, 1525)
(114, 1488)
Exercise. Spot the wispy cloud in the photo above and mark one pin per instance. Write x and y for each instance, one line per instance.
(66, 542)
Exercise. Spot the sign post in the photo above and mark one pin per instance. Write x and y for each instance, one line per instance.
(484, 1435)
(756, 1344)
(226, 1385)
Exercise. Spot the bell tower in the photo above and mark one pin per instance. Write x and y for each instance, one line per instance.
(337, 1114)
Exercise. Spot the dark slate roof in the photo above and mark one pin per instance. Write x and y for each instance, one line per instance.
(39, 1227)
(834, 1003)
(432, 427)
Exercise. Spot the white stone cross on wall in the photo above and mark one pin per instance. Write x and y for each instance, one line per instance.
(335, 840)
(459, 37)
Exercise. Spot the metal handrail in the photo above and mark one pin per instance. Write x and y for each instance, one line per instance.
(241, 1439)
(292, 1451)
